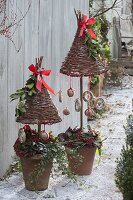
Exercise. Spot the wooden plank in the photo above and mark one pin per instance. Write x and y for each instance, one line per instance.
(31, 33)
(14, 69)
(3, 90)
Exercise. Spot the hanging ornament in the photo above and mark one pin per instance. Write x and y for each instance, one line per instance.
(99, 103)
(90, 115)
(88, 97)
(77, 105)
(66, 111)
(60, 96)
(22, 135)
(85, 96)
(70, 92)
(87, 113)
(44, 135)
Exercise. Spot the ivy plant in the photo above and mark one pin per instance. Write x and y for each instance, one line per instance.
(22, 94)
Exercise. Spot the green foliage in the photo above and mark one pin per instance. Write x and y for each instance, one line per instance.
(94, 80)
(129, 131)
(76, 138)
(99, 47)
(14, 167)
(124, 168)
(124, 173)
(22, 94)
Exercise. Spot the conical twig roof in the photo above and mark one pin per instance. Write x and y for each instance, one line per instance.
(39, 107)
(78, 63)
(39, 110)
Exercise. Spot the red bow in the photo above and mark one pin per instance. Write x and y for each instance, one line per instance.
(83, 25)
(40, 80)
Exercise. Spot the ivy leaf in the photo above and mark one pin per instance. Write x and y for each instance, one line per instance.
(21, 106)
(94, 41)
(30, 80)
(31, 85)
(23, 97)
(17, 113)
(30, 93)
(20, 91)
(14, 96)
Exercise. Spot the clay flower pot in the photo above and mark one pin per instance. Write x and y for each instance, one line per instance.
(37, 183)
(84, 167)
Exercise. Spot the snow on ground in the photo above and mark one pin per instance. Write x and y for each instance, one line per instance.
(100, 185)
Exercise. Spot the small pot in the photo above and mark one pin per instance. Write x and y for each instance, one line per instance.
(39, 183)
(84, 167)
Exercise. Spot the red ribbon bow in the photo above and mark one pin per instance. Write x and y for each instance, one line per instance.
(40, 80)
(83, 25)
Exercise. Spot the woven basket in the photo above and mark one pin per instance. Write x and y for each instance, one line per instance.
(78, 63)
(39, 110)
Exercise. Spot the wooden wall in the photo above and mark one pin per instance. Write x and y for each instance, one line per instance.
(48, 29)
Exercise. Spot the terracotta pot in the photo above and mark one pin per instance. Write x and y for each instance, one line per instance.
(40, 182)
(84, 167)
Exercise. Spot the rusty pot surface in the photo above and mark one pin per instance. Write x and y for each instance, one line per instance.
(84, 167)
(38, 183)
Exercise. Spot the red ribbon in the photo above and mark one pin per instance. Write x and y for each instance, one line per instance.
(40, 80)
(83, 25)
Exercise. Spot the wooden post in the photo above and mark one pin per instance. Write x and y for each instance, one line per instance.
(132, 11)
(39, 128)
(38, 65)
(81, 99)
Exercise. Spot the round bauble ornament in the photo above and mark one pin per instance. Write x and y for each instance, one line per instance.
(44, 135)
(70, 92)
(21, 135)
(66, 111)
